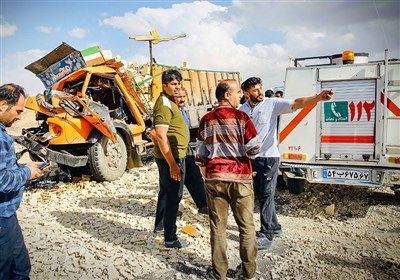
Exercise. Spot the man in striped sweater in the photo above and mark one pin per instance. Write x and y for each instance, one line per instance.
(226, 140)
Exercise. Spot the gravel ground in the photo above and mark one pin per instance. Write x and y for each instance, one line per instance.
(89, 230)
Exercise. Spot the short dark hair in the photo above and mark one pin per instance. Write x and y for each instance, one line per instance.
(170, 75)
(251, 82)
(269, 93)
(280, 92)
(222, 87)
(11, 93)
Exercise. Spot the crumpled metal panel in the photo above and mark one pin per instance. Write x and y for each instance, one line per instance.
(54, 56)
(56, 65)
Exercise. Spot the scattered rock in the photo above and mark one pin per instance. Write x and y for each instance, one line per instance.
(90, 230)
(330, 210)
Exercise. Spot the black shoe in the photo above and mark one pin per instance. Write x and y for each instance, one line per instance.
(203, 210)
(239, 273)
(179, 243)
(210, 274)
(158, 230)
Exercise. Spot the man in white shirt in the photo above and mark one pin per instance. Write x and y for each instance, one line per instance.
(264, 113)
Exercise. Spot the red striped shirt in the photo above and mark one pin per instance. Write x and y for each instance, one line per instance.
(226, 140)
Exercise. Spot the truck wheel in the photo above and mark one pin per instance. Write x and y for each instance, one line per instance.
(107, 161)
(280, 183)
(296, 186)
(396, 190)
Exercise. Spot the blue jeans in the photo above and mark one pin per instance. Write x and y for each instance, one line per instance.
(14, 257)
(267, 175)
(169, 196)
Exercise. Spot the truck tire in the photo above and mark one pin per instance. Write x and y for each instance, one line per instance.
(396, 190)
(107, 161)
(296, 186)
(280, 183)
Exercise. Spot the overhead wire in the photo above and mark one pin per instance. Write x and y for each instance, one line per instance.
(381, 25)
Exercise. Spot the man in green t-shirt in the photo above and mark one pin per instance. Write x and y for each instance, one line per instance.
(172, 138)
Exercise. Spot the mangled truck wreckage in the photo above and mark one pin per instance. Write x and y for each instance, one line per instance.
(96, 113)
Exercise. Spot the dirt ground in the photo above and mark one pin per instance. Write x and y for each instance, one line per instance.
(90, 230)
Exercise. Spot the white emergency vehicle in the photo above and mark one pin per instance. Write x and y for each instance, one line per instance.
(353, 139)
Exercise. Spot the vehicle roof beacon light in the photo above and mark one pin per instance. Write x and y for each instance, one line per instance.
(348, 57)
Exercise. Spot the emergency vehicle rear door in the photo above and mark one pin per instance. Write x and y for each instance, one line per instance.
(348, 121)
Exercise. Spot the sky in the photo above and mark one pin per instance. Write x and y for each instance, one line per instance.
(255, 38)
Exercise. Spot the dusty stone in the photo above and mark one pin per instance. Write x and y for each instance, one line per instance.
(330, 210)
(104, 230)
(112, 272)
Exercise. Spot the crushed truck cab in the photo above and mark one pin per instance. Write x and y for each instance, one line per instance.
(96, 115)
(93, 122)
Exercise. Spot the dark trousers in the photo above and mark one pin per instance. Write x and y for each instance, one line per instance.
(169, 196)
(14, 257)
(193, 181)
(256, 181)
(267, 174)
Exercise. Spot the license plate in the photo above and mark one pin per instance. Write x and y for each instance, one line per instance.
(346, 174)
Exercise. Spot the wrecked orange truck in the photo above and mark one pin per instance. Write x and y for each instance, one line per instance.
(96, 114)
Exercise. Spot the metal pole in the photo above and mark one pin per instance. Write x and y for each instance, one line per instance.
(385, 100)
(151, 69)
(151, 57)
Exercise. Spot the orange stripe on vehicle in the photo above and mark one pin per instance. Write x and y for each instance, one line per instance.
(296, 120)
(365, 139)
(391, 105)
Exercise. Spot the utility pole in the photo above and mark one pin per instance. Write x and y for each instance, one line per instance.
(154, 38)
